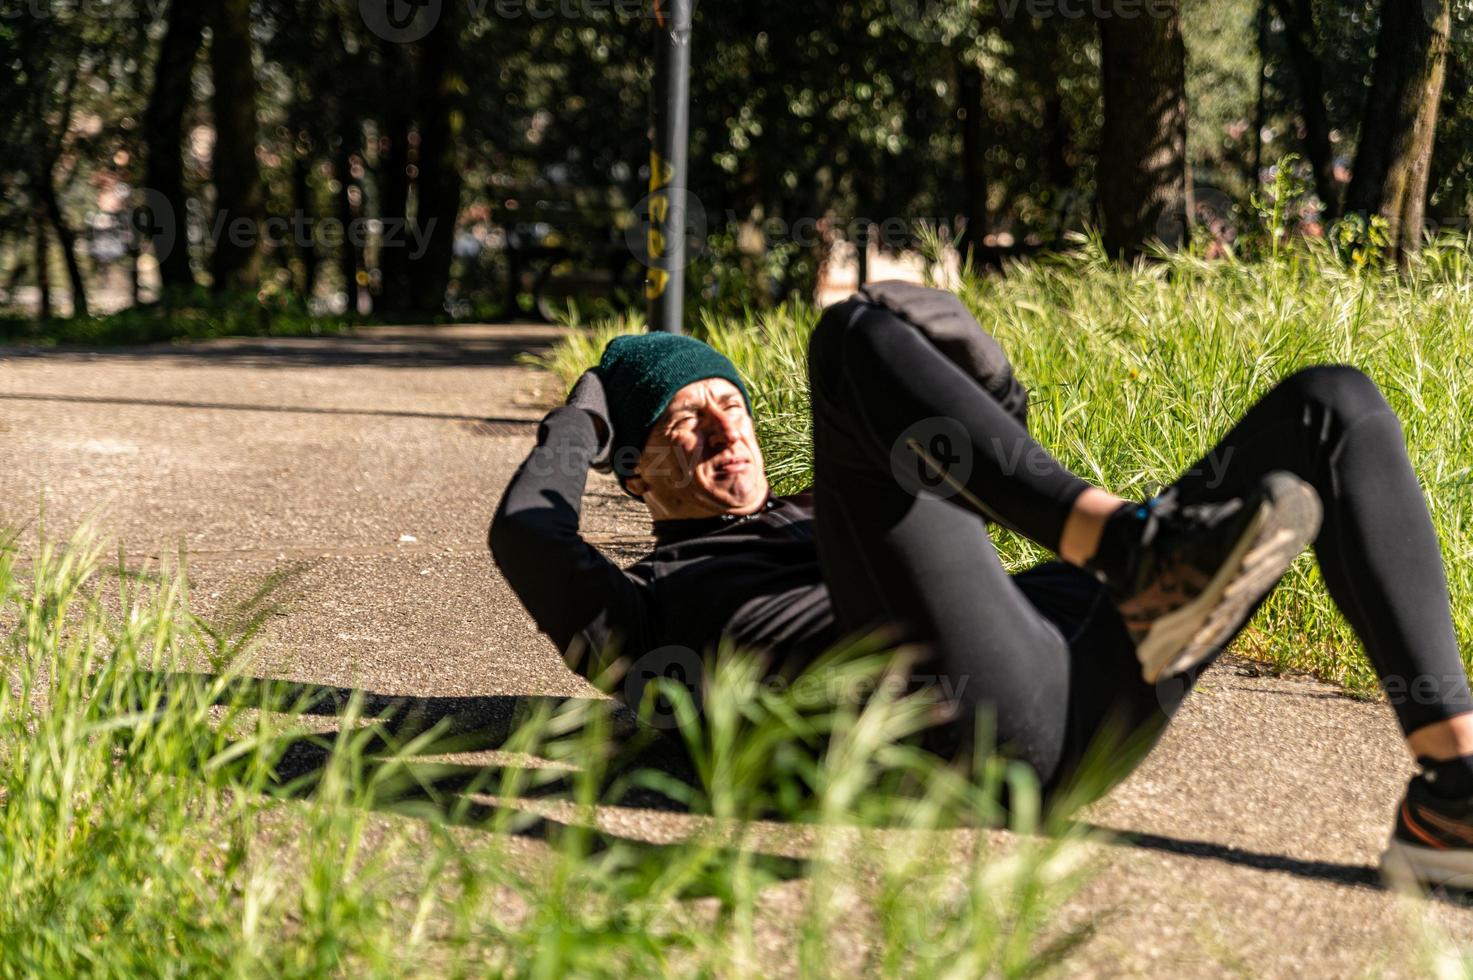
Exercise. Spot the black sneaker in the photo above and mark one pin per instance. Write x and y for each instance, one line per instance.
(1432, 845)
(1199, 570)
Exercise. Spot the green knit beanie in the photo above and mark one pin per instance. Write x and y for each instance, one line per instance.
(641, 374)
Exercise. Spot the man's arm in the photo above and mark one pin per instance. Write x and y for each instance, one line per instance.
(567, 585)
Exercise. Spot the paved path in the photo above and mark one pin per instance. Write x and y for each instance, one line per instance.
(364, 471)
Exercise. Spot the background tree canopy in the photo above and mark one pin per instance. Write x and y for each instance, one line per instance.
(460, 157)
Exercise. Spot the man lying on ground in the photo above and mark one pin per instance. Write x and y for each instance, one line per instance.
(919, 440)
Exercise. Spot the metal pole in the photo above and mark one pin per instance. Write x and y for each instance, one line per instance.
(664, 286)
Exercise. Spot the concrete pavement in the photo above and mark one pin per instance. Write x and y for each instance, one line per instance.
(362, 472)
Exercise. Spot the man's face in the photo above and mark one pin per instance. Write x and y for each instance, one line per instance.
(701, 458)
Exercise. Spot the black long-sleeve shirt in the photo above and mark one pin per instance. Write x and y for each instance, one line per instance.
(754, 580)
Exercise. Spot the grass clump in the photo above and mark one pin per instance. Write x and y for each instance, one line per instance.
(1136, 372)
(155, 819)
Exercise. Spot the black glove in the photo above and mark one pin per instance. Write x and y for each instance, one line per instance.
(588, 394)
(951, 328)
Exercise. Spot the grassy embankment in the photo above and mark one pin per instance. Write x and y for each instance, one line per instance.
(1135, 373)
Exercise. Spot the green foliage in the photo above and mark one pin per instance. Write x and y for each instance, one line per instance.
(797, 113)
(201, 317)
(1136, 372)
(1359, 243)
(147, 829)
(1278, 208)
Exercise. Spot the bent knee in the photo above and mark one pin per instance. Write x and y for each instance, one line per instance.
(1344, 389)
(855, 331)
(851, 338)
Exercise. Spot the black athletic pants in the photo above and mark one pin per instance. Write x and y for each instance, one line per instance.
(1043, 654)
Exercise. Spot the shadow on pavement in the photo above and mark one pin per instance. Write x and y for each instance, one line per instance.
(1358, 875)
(426, 783)
(436, 786)
(380, 347)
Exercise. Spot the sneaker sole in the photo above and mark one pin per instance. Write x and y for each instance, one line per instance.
(1286, 522)
(1412, 868)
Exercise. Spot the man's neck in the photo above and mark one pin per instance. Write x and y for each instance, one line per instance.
(672, 530)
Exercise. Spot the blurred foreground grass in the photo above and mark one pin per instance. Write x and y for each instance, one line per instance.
(151, 826)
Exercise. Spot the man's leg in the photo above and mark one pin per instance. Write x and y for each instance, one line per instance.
(899, 401)
(1377, 548)
(1178, 575)
(914, 562)
(1045, 656)
(1381, 561)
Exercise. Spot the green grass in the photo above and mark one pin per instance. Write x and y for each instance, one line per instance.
(1135, 373)
(150, 823)
(148, 827)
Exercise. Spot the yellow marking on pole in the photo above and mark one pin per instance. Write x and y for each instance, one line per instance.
(661, 171)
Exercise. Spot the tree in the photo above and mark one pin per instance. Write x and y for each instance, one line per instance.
(441, 91)
(1298, 18)
(395, 179)
(973, 116)
(1398, 130)
(163, 131)
(1142, 163)
(235, 263)
(50, 62)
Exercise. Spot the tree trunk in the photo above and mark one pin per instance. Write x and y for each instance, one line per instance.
(394, 193)
(135, 285)
(1260, 108)
(235, 264)
(441, 115)
(163, 133)
(67, 240)
(1298, 17)
(1398, 129)
(302, 157)
(43, 269)
(974, 164)
(1056, 122)
(1141, 174)
(348, 258)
